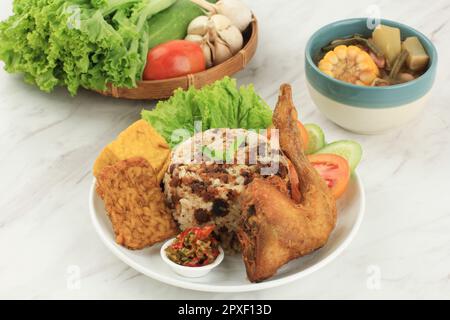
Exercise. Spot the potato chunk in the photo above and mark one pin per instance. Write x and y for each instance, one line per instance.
(388, 39)
(417, 57)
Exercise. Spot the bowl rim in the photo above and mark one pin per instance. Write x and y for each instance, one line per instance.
(433, 56)
(181, 268)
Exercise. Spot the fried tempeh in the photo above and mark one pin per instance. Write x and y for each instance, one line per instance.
(135, 203)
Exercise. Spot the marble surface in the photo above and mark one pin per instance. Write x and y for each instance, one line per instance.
(48, 142)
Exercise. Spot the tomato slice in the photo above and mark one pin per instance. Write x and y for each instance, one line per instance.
(334, 170)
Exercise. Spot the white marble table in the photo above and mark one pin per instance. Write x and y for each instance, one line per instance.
(48, 143)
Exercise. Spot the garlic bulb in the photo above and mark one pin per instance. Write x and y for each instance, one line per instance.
(239, 14)
(217, 36)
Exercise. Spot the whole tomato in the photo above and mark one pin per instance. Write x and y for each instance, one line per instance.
(174, 59)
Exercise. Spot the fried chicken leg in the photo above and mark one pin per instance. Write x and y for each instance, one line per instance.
(274, 229)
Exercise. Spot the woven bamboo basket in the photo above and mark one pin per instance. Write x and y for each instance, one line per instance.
(161, 89)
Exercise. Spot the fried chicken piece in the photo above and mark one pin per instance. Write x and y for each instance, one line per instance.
(275, 229)
(135, 204)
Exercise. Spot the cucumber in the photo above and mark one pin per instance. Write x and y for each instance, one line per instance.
(172, 23)
(350, 150)
(316, 138)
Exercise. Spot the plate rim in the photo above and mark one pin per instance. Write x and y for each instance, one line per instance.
(185, 284)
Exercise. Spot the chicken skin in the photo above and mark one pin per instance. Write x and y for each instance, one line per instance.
(274, 228)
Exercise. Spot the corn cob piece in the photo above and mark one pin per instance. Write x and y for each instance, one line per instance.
(350, 64)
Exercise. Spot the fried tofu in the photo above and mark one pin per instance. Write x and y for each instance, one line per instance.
(135, 203)
(138, 140)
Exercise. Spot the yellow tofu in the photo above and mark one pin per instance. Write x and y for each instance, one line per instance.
(106, 158)
(138, 140)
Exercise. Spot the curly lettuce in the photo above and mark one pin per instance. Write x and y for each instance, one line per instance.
(78, 43)
(219, 105)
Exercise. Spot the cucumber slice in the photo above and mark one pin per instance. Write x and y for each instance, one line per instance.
(350, 150)
(316, 138)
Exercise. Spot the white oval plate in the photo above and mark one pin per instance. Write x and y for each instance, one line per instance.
(230, 276)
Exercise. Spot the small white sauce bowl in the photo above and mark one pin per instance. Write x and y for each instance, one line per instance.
(190, 272)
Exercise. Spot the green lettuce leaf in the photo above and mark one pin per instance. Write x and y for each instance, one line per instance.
(78, 43)
(220, 105)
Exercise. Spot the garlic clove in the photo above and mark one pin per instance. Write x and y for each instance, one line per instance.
(204, 45)
(233, 38)
(198, 26)
(212, 32)
(194, 38)
(213, 51)
(222, 52)
(208, 48)
(220, 21)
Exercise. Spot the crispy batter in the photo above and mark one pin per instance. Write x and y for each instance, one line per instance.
(275, 229)
(138, 140)
(135, 204)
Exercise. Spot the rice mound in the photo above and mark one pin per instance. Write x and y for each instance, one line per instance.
(201, 189)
